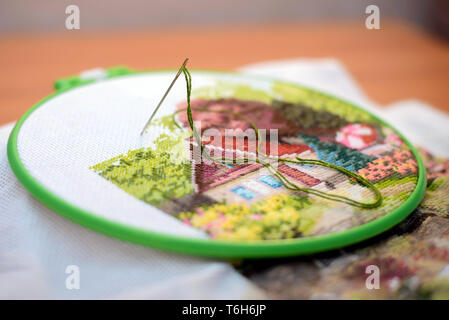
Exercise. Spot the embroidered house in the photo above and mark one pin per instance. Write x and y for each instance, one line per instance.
(251, 182)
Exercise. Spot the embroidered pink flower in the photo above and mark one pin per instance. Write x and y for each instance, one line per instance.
(200, 211)
(356, 135)
(394, 140)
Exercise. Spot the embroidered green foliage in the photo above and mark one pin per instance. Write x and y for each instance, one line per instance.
(307, 118)
(320, 102)
(237, 91)
(396, 180)
(436, 200)
(390, 201)
(436, 289)
(436, 183)
(167, 122)
(153, 174)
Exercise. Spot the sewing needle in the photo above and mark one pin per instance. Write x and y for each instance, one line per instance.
(163, 98)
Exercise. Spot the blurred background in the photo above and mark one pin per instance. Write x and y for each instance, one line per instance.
(407, 57)
(45, 15)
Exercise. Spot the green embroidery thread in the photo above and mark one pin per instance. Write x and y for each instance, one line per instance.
(285, 181)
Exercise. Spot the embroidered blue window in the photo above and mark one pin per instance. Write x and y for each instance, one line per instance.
(243, 192)
(271, 181)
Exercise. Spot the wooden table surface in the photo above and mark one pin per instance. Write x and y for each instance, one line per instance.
(396, 62)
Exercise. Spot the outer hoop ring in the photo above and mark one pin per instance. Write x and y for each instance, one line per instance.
(212, 248)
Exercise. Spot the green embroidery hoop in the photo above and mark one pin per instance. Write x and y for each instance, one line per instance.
(204, 247)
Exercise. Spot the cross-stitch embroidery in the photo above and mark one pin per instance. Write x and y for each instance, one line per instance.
(248, 201)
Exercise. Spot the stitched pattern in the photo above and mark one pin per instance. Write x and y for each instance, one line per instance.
(323, 128)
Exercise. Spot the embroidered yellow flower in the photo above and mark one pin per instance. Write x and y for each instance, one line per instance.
(277, 217)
